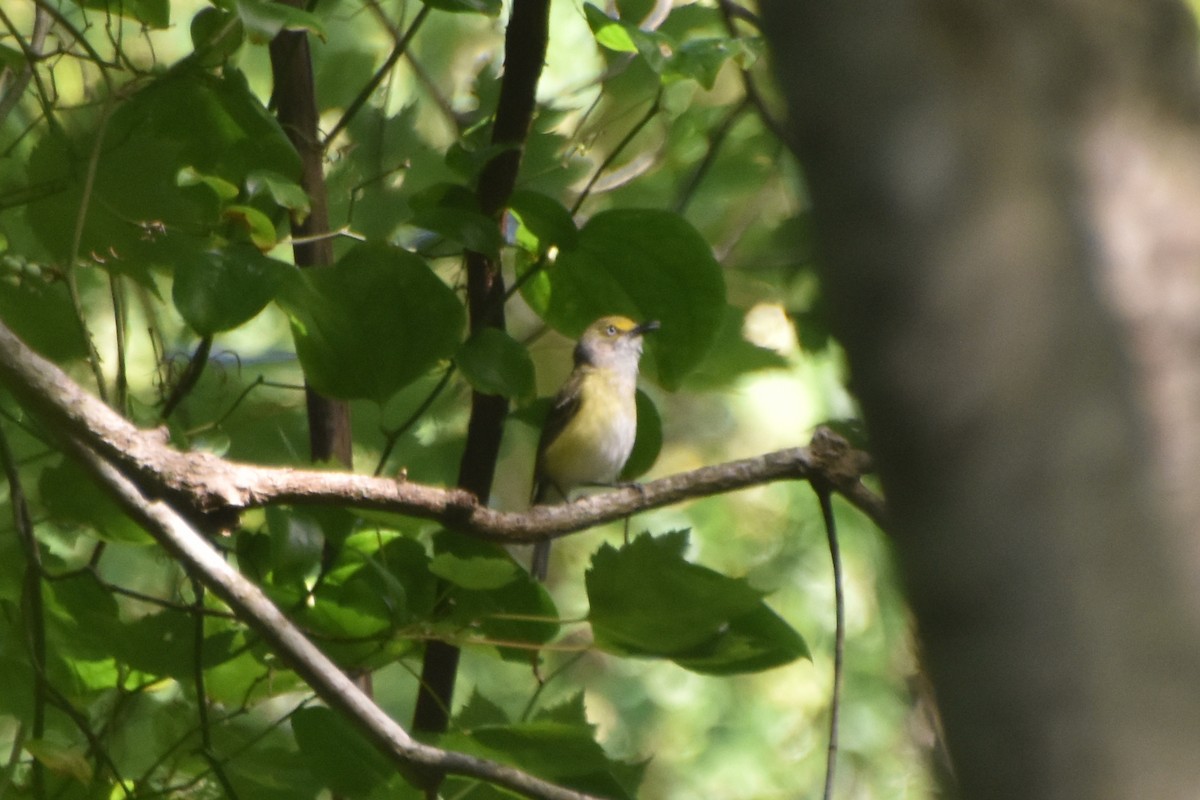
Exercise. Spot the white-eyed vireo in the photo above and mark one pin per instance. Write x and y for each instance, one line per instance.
(590, 429)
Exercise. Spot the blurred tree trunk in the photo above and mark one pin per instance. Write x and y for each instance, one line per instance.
(1007, 197)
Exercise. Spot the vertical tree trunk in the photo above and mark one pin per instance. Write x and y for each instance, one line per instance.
(1006, 195)
(524, 54)
(296, 106)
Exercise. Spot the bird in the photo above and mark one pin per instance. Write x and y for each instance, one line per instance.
(589, 432)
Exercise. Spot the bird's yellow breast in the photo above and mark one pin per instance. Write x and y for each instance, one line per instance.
(594, 445)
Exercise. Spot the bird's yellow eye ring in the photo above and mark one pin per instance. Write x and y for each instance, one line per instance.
(611, 330)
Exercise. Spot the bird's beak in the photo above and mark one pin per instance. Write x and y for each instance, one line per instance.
(646, 327)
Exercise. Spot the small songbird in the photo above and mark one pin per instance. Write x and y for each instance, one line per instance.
(590, 429)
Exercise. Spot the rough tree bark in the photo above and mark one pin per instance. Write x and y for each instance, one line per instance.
(1007, 198)
(295, 101)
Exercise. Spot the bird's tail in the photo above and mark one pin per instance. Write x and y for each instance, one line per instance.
(544, 493)
(540, 563)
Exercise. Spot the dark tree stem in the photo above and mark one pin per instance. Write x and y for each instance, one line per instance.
(295, 104)
(524, 55)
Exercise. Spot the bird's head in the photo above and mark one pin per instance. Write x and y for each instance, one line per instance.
(613, 341)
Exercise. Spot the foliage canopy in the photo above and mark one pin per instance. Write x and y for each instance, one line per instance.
(147, 194)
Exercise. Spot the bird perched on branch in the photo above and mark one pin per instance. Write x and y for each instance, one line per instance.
(590, 429)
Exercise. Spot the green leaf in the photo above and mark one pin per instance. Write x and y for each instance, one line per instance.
(40, 312)
(472, 230)
(258, 226)
(11, 58)
(264, 20)
(646, 600)
(648, 443)
(371, 324)
(216, 35)
(545, 217)
(731, 356)
(296, 543)
(369, 591)
(610, 33)
(189, 176)
(451, 210)
(337, 754)
(702, 59)
(561, 752)
(490, 8)
(139, 216)
(219, 289)
(477, 711)
(495, 363)
(282, 190)
(756, 641)
(152, 13)
(66, 760)
(84, 618)
(475, 573)
(163, 644)
(645, 264)
(70, 495)
(517, 611)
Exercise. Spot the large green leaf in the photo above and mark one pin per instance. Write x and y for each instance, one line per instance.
(495, 363)
(648, 443)
(371, 324)
(646, 600)
(646, 264)
(297, 541)
(39, 310)
(82, 619)
(490, 8)
(152, 13)
(163, 644)
(731, 356)
(506, 606)
(264, 19)
(218, 289)
(565, 753)
(753, 642)
(71, 496)
(367, 596)
(185, 120)
(216, 35)
(545, 218)
(337, 754)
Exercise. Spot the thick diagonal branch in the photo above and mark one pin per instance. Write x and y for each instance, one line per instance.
(332, 685)
(219, 490)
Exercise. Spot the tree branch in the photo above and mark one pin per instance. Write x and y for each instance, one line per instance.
(219, 490)
(332, 685)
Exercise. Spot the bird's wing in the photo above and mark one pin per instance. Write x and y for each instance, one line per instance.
(566, 404)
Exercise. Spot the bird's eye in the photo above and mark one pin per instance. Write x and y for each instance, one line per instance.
(611, 330)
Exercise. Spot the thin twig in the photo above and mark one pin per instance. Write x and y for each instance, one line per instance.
(365, 93)
(33, 607)
(651, 112)
(32, 51)
(188, 378)
(206, 747)
(71, 267)
(394, 435)
(731, 12)
(825, 495)
(121, 387)
(715, 140)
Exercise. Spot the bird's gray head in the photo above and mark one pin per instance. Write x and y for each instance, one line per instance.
(614, 342)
